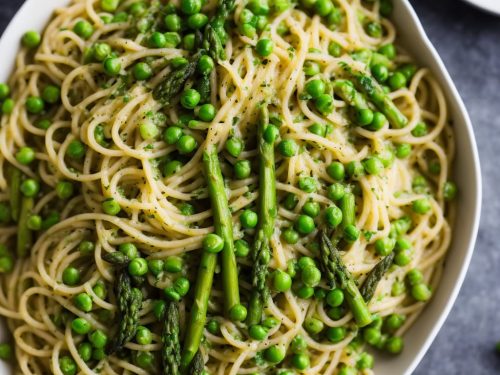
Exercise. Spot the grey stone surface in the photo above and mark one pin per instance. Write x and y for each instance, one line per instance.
(468, 40)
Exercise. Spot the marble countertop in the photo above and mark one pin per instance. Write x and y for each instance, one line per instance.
(468, 41)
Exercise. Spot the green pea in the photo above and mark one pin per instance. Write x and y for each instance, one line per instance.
(394, 322)
(351, 233)
(271, 133)
(172, 135)
(305, 262)
(4, 91)
(238, 313)
(111, 207)
(365, 361)
(171, 294)
(80, 326)
(403, 150)
(206, 64)
(143, 336)
(311, 68)
(384, 246)
(25, 155)
(323, 7)
(311, 276)
(51, 94)
(282, 281)
(313, 326)
(242, 169)
(305, 292)
(421, 292)
(315, 88)
(336, 170)
(397, 80)
(190, 6)
(85, 351)
(172, 22)
(234, 146)
(190, 98)
(373, 165)
(138, 267)
(324, 104)
(241, 248)
(112, 66)
(449, 190)
(403, 258)
(188, 42)
(98, 339)
(311, 209)
(335, 334)
(394, 345)
(247, 30)
(335, 191)
(83, 29)
(76, 149)
(249, 219)
(380, 72)
(264, 47)
(372, 335)
(158, 40)
(31, 39)
(173, 264)
(335, 297)
(100, 290)
(388, 50)
(421, 206)
(355, 169)
(155, 266)
(64, 189)
(186, 144)
(35, 105)
(83, 302)
(129, 250)
(305, 224)
(30, 188)
(420, 130)
(290, 201)
(213, 327)
(364, 116)
(397, 289)
(197, 21)
(257, 332)
(274, 354)
(374, 29)
(318, 129)
(159, 308)
(259, 7)
(144, 359)
(288, 148)
(109, 5)
(307, 184)
(213, 243)
(333, 216)
(142, 71)
(67, 365)
(8, 106)
(298, 344)
(408, 70)
(148, 130)
(207, 112)
(5, 351)
(335, 49)
(301, 361)
(6, 264)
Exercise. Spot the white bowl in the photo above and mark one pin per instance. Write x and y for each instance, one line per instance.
(492, 6)
(35, 15)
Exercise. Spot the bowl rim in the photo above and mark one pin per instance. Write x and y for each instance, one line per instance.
(9, 45)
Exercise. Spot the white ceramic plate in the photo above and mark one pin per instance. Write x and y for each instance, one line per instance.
(35, 14)
(492, 6)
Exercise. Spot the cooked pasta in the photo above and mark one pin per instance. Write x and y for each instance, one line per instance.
(127, 124)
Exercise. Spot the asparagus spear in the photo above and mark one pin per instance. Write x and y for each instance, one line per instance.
(129, 305)
(346, 90)
(215, 34)
(223, 225)
(336, 272)
(24, 234)
(204, 88)
(348, 208)
(267, 214)
(170, 339)
(174, 82)
(15, 176)
(370, 87)
(117, 258)
(370, 284)
(198, 364)
(198, 314)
